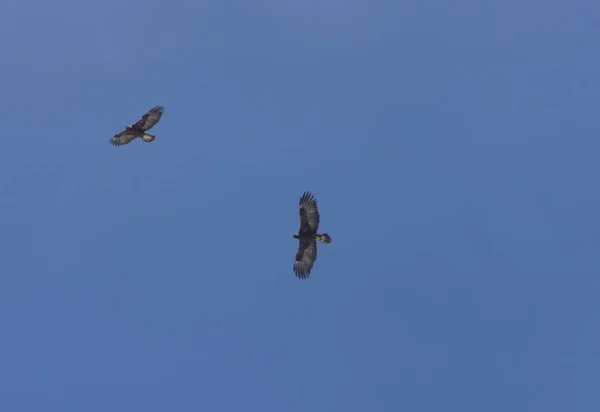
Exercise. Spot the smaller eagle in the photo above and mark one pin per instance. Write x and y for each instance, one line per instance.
(308, 236)
(139, 128)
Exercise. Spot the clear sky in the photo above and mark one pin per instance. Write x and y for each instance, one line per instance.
(453, 149)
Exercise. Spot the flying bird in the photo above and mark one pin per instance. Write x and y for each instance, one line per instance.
(139, 128)
(308, 236)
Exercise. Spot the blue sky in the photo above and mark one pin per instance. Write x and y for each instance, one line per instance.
(452, 147)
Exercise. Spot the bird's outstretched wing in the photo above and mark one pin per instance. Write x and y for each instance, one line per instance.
(122, 138)
(309, 214)
(147, 121)
(305, 258)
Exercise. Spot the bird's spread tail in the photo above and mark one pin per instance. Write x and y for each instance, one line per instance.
(148, 137)
(325, 238)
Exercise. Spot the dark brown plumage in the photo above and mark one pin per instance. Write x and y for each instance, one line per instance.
(139, 128)
(308, 236)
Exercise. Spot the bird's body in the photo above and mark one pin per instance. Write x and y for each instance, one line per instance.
(308, 236)
(321, 238)
(139, 128)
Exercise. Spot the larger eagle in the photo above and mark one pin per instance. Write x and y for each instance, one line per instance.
(308, 236)
(139, 128)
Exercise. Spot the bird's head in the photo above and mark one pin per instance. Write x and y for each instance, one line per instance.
(325, 238)
(129, 127)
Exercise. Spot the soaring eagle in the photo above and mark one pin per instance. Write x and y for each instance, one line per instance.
(139, 128)
(308, 236)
